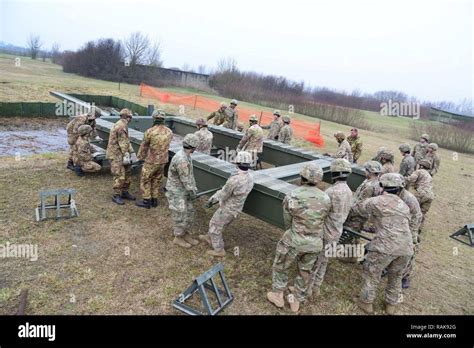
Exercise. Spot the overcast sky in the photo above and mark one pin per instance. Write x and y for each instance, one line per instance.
(422, 48)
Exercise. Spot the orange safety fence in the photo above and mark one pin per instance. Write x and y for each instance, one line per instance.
(310, 131)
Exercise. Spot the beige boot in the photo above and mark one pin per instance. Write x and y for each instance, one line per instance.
(181, 242)
(276, 298)
(294, 303)
(187, 237)
(366, 307)
(216, 253)
(205, 238)
(390, 309)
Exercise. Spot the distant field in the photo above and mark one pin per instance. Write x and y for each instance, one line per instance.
(84, 256)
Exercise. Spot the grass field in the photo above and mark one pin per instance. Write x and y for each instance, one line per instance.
(84, 266)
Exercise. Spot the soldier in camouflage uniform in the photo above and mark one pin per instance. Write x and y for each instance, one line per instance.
(154, 151)
(341, 202)
(121, 155)
(387, 159)
(415, 222)
(391, 248)
(368, 189)
(72, 131)
(252, 141)
(379, 152)
(205, 137)
(433, 157)
(232, 115)
(286, 133)
(181, 192)
(219, 116)
(407, 165)
(419, 151)
(355, 143)
(231, 198)
(274, 126)
(344, 149)
(83, 159)
(422, 182)
(305, 210)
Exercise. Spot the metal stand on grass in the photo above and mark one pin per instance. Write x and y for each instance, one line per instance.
(467, 230)
(202, 283)
(43, 206)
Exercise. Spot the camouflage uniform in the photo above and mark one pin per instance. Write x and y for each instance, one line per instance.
(154, 151)
(118, 145)
(205, 140)
(219, 117)
(391, 248)
(434, 159)
(356, 146)
(344, 151)
(407, 165)
(415, 222)
(419, 151)
(388, 167)
(286, 134)
(368, 189)
(341, 201)
(72, 131)
(180, 183)
(305, 210)
(83, 155)
(231, 198)
(274, 129)
(232, 117)
(252, 141)
(422, 182)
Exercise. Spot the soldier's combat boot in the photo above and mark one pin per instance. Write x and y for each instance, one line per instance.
(179, 241)
(405, 283)
(127, 195)
(366, 307)
(390, 309)
(187, 237)
(216, 253)
(117, 199)
(78, 171)
(70, 165)
(146, 203)
(154, 202)
(294, 303)
(276, 298)
(205, 238)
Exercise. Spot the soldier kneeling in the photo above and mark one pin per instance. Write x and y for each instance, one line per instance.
(83, 158)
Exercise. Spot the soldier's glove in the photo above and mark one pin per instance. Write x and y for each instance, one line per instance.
(192, 195)
(126, 159)
(98, 139)
(133, 158)
(210, 203)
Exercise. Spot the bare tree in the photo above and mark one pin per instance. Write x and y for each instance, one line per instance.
(55, 52)
(228, 64)
(34, 45)
(136, 47)
(154, 55)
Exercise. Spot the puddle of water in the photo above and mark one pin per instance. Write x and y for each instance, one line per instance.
(30, 142)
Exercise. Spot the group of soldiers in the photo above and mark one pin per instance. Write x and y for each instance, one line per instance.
(314, 218)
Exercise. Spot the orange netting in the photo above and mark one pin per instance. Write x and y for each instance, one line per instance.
(309, 131)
